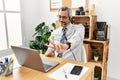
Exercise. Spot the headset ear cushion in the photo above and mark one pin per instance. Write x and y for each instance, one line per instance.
(70, 18)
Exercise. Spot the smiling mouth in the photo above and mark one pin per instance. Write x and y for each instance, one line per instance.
(63, 23)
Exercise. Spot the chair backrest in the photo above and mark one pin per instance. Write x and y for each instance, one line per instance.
(87, 52)
(83, 55)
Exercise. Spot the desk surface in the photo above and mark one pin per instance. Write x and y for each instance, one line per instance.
(24, 73)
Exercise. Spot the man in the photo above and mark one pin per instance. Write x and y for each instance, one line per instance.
(71, 34)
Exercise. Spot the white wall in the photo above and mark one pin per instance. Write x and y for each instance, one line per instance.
(109, 11)
(36, 11)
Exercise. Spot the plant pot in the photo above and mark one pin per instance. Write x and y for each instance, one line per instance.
(96, 78)
(96, 58)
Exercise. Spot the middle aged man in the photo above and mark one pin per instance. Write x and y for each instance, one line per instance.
(67, 40)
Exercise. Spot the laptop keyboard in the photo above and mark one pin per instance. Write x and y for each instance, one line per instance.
(46, 66)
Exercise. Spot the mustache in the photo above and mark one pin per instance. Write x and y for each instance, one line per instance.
(62, 22)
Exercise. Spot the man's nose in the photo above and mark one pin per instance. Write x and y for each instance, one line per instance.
(61, 19)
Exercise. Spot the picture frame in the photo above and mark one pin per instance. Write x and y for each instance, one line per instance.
(73, 4)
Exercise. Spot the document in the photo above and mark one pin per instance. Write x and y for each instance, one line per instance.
(63, 73)
(77, 3)
(56, 3)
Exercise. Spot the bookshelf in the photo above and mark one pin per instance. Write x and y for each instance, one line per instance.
(89, 21)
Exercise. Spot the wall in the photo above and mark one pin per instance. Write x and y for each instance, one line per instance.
(109, 11)
(36, 11)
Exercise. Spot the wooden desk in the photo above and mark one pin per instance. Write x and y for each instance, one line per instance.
(24, 73)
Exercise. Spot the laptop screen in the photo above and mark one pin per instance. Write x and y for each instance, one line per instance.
(31, 58)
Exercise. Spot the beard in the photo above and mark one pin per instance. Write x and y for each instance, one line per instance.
(63, 24)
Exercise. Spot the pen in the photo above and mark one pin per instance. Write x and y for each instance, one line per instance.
(65, 74)
(7, 67)
(6, 61)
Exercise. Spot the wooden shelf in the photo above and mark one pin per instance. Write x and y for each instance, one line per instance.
(90, 43)
(96, 41)
(96, 63)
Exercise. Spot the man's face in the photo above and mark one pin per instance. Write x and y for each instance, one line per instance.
(63, 18)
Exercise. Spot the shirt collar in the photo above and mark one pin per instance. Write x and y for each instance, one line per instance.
(68, 26)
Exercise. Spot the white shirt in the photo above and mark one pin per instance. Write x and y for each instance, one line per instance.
(75, 35)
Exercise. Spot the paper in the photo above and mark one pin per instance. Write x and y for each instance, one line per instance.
(56, 3)
(77, 3)
(61, 73)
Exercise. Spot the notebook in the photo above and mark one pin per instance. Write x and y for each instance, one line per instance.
(31, 58)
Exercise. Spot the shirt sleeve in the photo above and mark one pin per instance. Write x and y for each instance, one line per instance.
(78, 36)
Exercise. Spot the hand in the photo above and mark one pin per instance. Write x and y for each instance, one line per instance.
(49, 53)
(59, 47)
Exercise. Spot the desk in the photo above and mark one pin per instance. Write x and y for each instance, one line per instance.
(24, 73)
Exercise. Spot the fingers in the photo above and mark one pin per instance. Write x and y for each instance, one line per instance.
(55, 45)
(51, 46)
(50, 41)
(49, 54)
(58, 47)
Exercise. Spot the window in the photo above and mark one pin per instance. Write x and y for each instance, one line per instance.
(10, 24)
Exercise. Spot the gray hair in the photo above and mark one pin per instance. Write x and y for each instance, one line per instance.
(65, 8)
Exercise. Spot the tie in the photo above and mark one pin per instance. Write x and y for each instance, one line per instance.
(63, 38)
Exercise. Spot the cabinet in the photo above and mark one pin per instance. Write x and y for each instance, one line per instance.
(91, 44)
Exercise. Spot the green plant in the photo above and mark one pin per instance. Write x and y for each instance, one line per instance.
(96, 74)
(42, 33)
(96, 53)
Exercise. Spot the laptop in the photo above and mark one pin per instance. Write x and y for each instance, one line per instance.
(31, 58)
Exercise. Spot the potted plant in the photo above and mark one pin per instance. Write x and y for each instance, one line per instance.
(96, 54)
(41, 35)
(96, 74)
